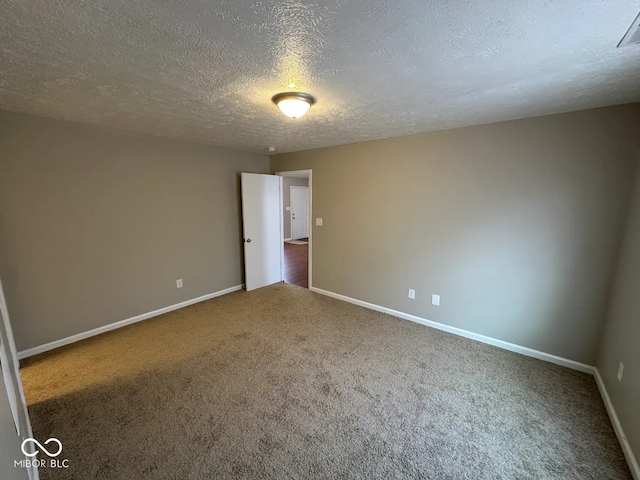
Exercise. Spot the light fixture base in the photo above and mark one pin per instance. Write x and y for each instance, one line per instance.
(305, 97)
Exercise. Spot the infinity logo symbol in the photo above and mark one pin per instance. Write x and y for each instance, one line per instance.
(41, 447)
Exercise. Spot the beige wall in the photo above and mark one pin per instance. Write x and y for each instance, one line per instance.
(516, 224)
(287, 183)
(96, 226)
(622, 331)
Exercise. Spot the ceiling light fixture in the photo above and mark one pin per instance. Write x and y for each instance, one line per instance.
(293, 104)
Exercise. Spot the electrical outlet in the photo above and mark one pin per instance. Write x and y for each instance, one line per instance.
(412, 294)
(435, 300)
(179, 283)
(620, 371)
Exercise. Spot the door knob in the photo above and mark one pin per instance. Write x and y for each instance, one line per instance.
(248, 240)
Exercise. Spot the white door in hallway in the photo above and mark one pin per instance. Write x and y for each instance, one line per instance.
(262, 229)
(299, 212)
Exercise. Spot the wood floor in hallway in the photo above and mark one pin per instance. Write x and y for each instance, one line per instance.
(296, 264)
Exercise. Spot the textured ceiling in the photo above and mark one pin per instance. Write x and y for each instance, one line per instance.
(205, 70)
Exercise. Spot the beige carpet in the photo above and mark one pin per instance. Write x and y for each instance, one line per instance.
(283, 383)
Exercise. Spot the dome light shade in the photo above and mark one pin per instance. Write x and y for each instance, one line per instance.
(293, 104)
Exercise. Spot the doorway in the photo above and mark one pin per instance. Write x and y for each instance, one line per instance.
(297, 232)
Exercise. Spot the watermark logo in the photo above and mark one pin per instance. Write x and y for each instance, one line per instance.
(54, 450)
(41, 447)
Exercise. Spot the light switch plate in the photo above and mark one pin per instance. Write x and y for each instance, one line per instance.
(435, 300)
(288, 209)
(318, 222)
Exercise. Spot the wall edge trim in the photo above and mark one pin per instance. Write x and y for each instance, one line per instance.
(29, 352)
(512, 347)
(617, 427)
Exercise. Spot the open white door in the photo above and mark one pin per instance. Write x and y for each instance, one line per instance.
(262, 229)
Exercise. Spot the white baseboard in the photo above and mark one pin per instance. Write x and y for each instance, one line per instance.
(529, 352)
(122, 323)
(288, 239)
(617, 427)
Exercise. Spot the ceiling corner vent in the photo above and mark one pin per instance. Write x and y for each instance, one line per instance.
(632, 37)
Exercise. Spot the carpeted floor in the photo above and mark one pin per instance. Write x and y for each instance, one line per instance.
(283, 383)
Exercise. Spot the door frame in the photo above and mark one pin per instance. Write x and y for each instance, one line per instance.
(291, 188)
(294, 173)
(13, 385)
